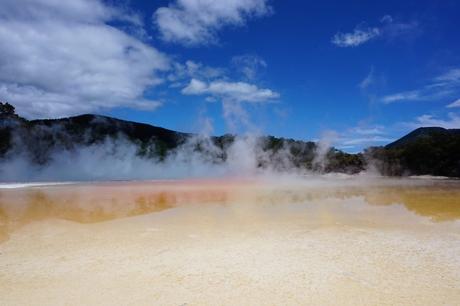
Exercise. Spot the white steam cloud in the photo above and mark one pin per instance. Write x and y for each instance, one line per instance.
(118, 159)
(50, 153)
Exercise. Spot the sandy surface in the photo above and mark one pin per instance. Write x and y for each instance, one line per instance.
(226, 244)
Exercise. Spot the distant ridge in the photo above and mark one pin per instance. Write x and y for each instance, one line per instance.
(422, 133)
(109, 126)
(40, 137)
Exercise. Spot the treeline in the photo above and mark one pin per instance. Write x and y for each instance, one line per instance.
(425, 151)
(39, 139)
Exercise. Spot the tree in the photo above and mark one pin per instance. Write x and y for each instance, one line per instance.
(6, 109)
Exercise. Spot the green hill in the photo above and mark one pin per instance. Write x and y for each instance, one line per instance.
(421, 134)
(424, 151)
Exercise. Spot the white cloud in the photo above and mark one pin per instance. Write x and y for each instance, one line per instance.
(368, 80)
(235, 97)
(402, 96)
(440, 87)
(451, 122)
(456, 103)
(181, 73)
(249, 65)
(230, 91)
(424, 94)
(450, 77)
(195, 87)
(393, 30)
(80, 10)
(358, 37)
(386, 19)
(388, 28)
(366, 141)
(195, 22)
(362, 136)
(60, 58)
(373, 130)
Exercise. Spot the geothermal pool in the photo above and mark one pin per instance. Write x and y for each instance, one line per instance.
(328, 241)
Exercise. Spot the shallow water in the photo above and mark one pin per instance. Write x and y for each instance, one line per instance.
(307, 241)
(96, 202)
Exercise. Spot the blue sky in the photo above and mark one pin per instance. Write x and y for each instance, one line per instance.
(363, 72)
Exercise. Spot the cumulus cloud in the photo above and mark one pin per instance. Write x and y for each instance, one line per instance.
(79, 10)
(232, 95)
(230, 91)
(440, 87)
(60, 58)
(388, 28)
(195, 22)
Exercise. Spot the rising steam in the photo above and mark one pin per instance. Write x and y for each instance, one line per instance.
(118, 159)
(57, 156)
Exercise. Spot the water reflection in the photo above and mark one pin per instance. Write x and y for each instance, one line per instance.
(439, 204)
(88, 203)
(93, 203)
